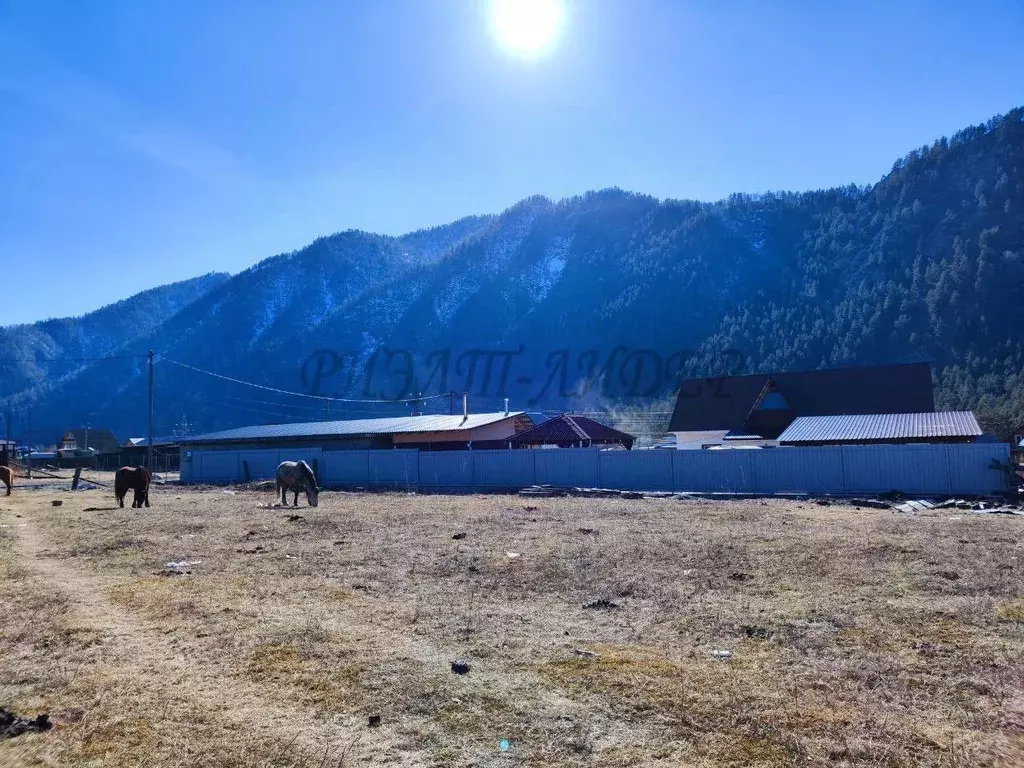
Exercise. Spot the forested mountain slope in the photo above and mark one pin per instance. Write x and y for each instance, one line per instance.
(605, 298)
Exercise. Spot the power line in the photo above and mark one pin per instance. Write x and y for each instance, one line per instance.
(298, 394)
(72, 359)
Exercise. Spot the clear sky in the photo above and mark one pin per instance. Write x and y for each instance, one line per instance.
(145, 141)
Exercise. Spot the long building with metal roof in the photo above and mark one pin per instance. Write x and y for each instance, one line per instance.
(473, 430)
(940, 427)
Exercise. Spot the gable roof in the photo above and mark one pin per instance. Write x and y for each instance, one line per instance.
(103, 440)
(724, 402)
(885, 426)
(354, 428)
(569, 428)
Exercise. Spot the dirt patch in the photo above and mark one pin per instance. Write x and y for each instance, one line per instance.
(758, 632)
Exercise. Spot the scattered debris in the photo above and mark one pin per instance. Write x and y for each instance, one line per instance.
(459, 536)
(543, 491)
(1004, 509)
(949, 575)
(586, 654)
(601, 604)
(870, 503)
(339, 542)
(290, 557)
(460, 667)
(100, 509)
(513, 555)
(56, 502)
(759, 633)
(503, 745)
(722, 654)
(183, 564)
(740, 576)
(230, 493)
(549, 491)
(823, 503)
(11, 725)
(913, 507)
(373, 721)
(529, 509)
(587, 531)
(254, 551)
(295, 518)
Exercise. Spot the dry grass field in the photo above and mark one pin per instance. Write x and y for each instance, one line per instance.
(858, 637)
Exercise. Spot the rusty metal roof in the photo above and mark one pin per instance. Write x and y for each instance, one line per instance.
(353, 428)
(881, 426)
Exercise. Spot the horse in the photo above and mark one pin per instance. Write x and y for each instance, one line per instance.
(296, 476)
(132, 479)
(7, 478)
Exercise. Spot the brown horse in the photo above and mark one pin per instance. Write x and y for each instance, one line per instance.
(7, 478)
(132, 479)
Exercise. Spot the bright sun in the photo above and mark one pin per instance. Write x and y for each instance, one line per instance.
(527, 27)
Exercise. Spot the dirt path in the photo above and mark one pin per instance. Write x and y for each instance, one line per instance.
(148, 657)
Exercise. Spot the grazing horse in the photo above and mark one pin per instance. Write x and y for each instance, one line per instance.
(132, 479)
(7, 478)
(296, 476)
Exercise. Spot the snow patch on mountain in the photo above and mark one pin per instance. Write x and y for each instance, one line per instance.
(277, 295)
(458, 288)
(543, 275)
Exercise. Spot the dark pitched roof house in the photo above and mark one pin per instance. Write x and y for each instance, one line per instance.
(103, 440)
(764, 404)
(568, 431)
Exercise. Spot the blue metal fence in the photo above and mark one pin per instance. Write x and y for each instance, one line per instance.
(863, 469)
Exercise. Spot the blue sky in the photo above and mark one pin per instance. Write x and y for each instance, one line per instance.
(148, 141)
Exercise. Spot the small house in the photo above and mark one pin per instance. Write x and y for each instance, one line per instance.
(754, 410)
(572, 431)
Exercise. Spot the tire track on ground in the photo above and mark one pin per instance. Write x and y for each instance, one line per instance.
(142, 653)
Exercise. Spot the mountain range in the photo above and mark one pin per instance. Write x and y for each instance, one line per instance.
(597, 302)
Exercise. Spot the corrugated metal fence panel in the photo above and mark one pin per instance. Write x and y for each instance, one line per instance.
(907, 468)
(636, 470)
(447, 469)
(346, 468)
(714, 471)
(394, 469)
(216, 466)
(504, 469)
(262, 464)
(567, 467)
(312, 456)
(922, 469)
(798, 470)
(971, 471)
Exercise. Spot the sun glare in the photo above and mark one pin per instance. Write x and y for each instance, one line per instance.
(527, 27)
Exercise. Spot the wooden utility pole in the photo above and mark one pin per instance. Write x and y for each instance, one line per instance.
(149, 451)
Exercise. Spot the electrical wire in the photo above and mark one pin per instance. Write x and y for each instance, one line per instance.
(297, 394)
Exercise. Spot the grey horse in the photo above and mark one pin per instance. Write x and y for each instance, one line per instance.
(296, 476)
